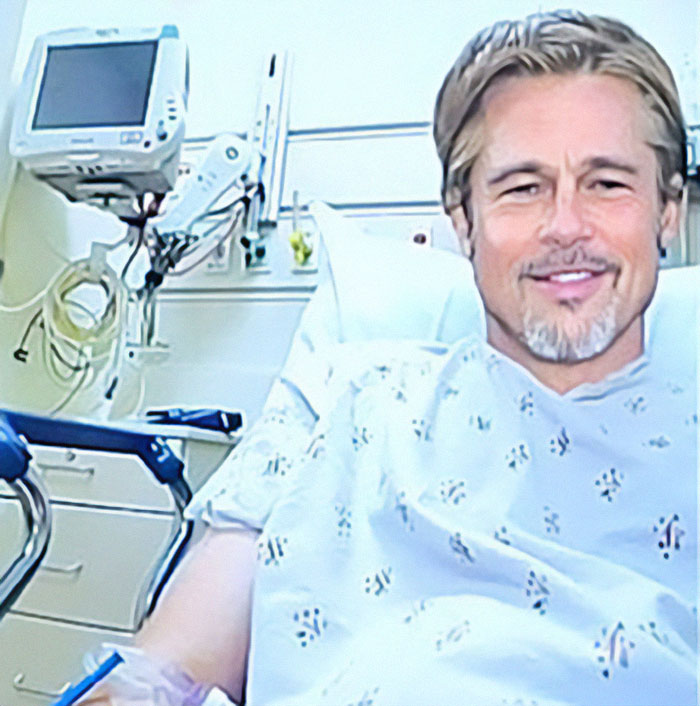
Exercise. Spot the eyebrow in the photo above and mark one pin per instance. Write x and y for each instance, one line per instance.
(520, 168)
(609, 163)
(531, 167)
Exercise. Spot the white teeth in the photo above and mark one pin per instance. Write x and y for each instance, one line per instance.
(570, 276)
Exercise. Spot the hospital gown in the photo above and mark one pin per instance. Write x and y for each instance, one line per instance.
(453, 533)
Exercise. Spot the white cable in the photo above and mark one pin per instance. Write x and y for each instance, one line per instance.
(75, 348)
(64, 402)
(19, 307)
(39, 295)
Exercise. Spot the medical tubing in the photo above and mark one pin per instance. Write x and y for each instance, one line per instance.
(81, 347)
(222, 239)
(71, 394)
(99, 336)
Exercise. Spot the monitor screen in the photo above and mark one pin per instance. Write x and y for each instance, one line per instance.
(95, 85)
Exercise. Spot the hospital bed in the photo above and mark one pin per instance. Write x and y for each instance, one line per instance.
(372, 288)
(424, 295)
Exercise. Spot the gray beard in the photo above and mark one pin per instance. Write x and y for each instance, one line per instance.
(551, 341)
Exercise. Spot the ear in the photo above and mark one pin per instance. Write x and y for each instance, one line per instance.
(462, 227)
(673, 213)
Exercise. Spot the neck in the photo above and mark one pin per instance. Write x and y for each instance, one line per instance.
(563, 376)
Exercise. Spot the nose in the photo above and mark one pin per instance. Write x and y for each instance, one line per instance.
(566, 222)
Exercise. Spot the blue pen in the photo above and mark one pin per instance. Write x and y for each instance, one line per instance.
(71, 695)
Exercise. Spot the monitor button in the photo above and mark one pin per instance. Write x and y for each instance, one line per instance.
(83, 156)
(131, 137)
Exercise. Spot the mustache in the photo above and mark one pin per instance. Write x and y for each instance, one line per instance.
(569, 259)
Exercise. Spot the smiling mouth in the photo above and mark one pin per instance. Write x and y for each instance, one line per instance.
(567, 276)
(570, 284)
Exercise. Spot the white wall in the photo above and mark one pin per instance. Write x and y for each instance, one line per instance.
(12, 14)
(360, 62)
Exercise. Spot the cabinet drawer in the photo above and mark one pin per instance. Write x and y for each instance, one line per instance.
(101, 478)
(97, 563)
(38, 657)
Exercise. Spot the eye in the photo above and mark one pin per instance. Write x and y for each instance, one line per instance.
(608, 185)
(531, 189)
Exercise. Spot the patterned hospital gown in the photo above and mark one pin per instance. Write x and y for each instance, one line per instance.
(452, 533)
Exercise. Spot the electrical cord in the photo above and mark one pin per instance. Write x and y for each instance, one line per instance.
(137, 247)
(75, 354)
(217, 244)
(139, 222)
(21, 352)
(167, 249)
(20, 307)
(245, 198)
(146, 212)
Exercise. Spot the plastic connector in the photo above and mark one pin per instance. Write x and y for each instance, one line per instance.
(301, 247)
(305, 247)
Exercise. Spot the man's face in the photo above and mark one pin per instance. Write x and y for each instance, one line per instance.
(567, 217)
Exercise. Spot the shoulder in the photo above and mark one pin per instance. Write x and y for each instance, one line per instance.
(376, 364)
(376, 377)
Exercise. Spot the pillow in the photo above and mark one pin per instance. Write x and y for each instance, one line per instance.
(378, 288)
(671, 323)
(382, 288)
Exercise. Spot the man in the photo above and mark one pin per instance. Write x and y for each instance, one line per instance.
(498, 522)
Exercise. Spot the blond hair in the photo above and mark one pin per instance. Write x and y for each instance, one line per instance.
(559, 42)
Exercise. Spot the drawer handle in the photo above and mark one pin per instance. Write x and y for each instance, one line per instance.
(72, 569)
(18, 683)
(87, 472)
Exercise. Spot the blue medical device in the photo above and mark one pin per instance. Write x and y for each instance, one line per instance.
(19, 429)
(73, 693)
(206, 418)
(150, 448)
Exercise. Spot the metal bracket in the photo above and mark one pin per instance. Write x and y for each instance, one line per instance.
(269, 133)
(37, 514)
(182, 531)
(268, 137)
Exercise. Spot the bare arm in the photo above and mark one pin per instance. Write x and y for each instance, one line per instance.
(202, 622)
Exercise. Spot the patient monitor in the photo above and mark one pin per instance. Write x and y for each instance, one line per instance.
(100, 113)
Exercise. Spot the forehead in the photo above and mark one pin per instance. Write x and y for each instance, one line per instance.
(572, 117)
